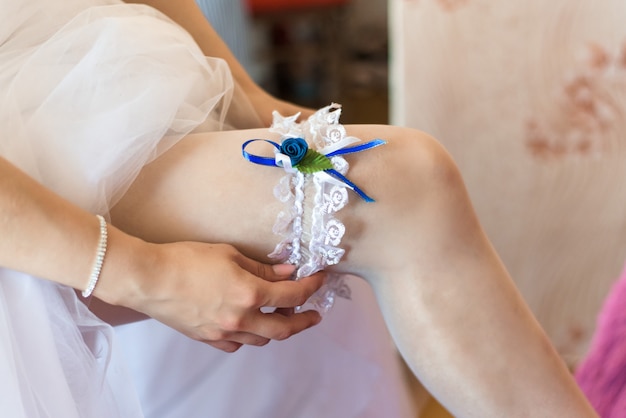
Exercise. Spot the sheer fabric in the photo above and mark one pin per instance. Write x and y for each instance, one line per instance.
(92, 90)
(345, 367)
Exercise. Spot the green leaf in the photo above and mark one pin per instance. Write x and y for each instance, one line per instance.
(313, 162)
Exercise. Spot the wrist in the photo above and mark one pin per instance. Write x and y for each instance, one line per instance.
(99, 259)
(126, 270)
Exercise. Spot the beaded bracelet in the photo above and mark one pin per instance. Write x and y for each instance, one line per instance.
(97, 265)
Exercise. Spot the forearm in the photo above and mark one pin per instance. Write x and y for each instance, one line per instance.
(46, 236)
(42, 234)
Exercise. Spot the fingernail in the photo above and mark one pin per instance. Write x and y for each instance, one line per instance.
(283, 269)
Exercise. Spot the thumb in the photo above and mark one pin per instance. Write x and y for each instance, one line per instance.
(282, 270)
(278, 272)
(269, 272)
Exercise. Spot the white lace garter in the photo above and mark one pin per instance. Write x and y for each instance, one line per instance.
(311, 234)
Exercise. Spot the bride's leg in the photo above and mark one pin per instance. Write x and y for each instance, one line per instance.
(448, 301)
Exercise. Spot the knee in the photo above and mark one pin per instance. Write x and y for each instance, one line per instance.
(417, 189)
(412, 173)
(412, 168)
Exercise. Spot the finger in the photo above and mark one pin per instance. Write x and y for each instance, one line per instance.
(279, 327)
(291, 293)
(282, 270)
(247, 338)
(227, 346)
(272, 273)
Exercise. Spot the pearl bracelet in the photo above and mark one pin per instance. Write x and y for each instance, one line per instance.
(97, 265)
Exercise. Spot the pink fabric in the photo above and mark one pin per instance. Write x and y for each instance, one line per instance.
(602, 374)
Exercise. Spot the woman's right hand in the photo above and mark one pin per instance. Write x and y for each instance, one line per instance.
(209, 292)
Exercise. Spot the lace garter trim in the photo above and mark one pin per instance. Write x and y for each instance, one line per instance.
(311, 234)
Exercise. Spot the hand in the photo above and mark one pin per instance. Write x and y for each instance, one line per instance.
(213, 293)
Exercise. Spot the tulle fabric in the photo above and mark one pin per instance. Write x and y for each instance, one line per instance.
(102, 96)
(91, 91)
(345, 367)
(56, 359)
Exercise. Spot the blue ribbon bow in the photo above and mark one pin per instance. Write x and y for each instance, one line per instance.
(271, 162)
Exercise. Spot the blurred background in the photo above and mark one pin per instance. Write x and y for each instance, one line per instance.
(312, 52)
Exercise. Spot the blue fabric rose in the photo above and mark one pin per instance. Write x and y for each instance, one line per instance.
(295, 149)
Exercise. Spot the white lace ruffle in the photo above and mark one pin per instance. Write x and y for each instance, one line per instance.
(311, 234)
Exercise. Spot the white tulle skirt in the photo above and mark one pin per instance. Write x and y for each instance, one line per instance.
(90, 91)
(345, 367)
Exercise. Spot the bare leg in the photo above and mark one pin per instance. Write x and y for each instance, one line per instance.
(448, 301)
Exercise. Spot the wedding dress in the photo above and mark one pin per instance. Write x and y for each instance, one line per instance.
(91, 91)
(345, 367)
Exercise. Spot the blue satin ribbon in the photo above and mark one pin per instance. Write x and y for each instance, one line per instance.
(271, 162)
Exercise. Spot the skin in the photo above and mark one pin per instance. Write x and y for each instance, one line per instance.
(448, 301)
(452, 308)
(181, 284)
